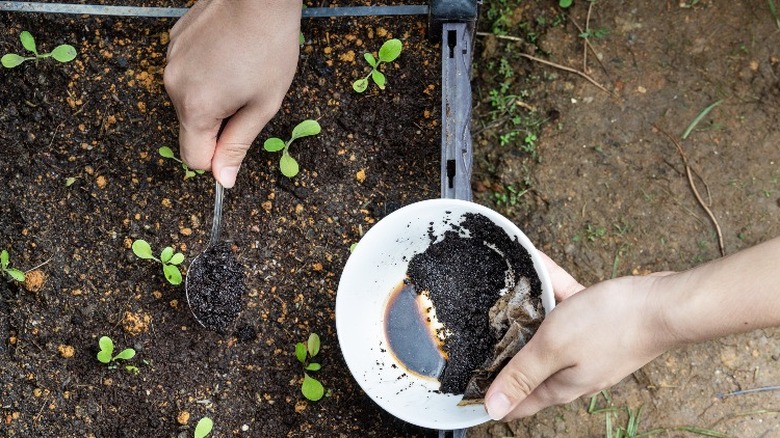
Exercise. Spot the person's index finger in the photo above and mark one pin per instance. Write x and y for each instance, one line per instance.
(197, 145)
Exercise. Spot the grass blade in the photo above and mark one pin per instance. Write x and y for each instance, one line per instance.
(773, 10)
(698, 118)
(703, 432)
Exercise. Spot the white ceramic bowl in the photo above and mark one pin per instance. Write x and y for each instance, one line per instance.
(375, 268)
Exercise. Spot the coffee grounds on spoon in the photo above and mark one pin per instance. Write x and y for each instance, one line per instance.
(215, 288)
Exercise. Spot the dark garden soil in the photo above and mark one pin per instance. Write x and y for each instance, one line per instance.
(590, 177)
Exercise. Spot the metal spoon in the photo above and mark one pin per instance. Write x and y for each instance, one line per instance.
(216, 229)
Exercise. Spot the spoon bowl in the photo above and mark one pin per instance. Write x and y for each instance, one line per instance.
(215, 280)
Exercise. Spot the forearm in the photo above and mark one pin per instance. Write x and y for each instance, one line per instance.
(731, 295)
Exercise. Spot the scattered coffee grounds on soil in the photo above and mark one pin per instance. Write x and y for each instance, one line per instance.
(465, 276)
(215, 287)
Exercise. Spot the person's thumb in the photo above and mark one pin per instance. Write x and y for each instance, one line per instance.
(237, 136)
(515, 382)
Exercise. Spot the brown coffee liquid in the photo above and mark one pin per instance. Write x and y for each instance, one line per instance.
(410, 334)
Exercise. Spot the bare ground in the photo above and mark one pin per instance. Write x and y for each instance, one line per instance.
(609, 194)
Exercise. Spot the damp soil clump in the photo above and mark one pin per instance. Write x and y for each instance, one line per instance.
(465, 274)
(215, 288)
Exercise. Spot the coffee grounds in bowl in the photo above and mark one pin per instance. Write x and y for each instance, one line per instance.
(474, 268)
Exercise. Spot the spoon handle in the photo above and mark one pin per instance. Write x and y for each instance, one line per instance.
(216, 224)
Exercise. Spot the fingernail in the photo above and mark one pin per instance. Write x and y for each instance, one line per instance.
(498, 406)
(228, 175)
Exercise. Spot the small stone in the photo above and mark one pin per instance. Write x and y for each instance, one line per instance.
(136, 323)
(34, 280)
(166, 203)
(183, 418)
(348, 56)
(298, 208)
(66, 351)
(360, 176)
(185, 231)
(101, 181)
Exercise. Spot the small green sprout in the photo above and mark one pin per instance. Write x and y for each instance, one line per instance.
(203, 427)
(389, 51)
(167, 152)
(61, 53)
(106, 353)
(565, 4)
(15, 274)
(169, 259)
(311, 388)
(287, 164)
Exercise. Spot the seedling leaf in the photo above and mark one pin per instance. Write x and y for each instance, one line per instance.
(106, 349)
(106, 344)
(28, 41)
(172, 274)
(16, 274)
(166, 152)
(273, 144)
(177, 259)
(69, 181)
(305, 129)
(390, 50)
(64, 53)
(126, 354)
(203, 427)
(166, 254)
(565, 3)
(3, 259)
(360, 85)
(104, 356)
(11, 60)
(313, 366)
(142, 249)
(300, 352)
(314, 344)
(379, 78)
(370, 59)
(311, 388)
(288, 165)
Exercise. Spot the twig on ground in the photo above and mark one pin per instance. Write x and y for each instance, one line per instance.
(750, 391)
(551, 64)
(689, 174)
(587, 43)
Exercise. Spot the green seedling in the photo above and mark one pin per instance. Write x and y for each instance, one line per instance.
(203, 428)
(167, 152)
(287, 163)
(389, 51)
(61, 53)
(169, 259)
(311, 388)
(565, 4)
(106, 353)
(15, 274)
